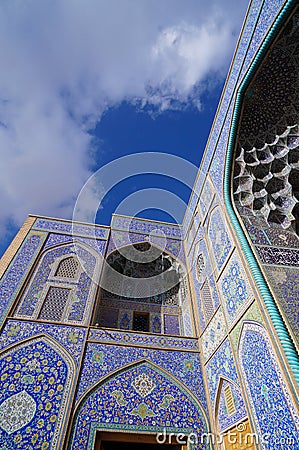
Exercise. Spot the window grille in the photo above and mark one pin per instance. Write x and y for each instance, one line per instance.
(207, 301)
(229, 401)
(54, 304)
(68, 268)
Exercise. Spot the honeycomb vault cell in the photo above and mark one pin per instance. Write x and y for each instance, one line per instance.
(266, 168)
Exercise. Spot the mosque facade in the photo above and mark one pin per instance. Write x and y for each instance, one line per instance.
(153, 335)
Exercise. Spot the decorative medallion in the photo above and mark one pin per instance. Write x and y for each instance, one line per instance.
(143, 384)
(17, 411)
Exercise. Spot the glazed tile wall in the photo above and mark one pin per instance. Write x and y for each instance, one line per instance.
(35, 386)
(83, 295)
(225, 419)
(274, 412)
(119, 239)
(260, 17)
(213, 334)
(16, 273)
(141, 398)
(135, 225)
(235, 290)
(58, 239)
(102, 359)
(219, 238)
(69, 337)
(284, 282)
(74, 229)
(142, 339)
(206, 198)
(187, 321)
(221, 365)
(119, 314)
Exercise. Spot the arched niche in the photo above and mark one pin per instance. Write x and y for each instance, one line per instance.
(229, 406)
(142, 289)
(36, 382)
(274, 413)
(53, 296)
(265, 168)
(140, 398)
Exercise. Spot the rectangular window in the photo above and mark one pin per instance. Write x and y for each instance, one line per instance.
(140, 321)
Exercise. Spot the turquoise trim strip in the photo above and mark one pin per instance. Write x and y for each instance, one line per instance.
(281, 330)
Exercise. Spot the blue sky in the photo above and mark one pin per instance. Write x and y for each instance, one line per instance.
(85, 82)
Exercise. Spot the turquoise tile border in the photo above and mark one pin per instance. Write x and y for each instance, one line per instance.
(281, 330)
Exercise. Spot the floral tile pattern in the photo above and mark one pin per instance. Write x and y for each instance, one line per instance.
(271, 403)
(101, 359)
(116, 404)
(236, 292)
(15, 274)
(34, 390)
(219, 237)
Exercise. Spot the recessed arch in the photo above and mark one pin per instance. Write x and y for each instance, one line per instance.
(138, 414)
(265, 384)
(142, 288)
(44, 282)
(27, 367)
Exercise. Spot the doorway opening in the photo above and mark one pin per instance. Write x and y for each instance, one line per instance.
(127, 441)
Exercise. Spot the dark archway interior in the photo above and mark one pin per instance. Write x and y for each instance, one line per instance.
(143, 292)
(108, 445)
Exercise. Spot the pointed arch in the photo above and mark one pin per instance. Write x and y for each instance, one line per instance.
(151, 284)
(229, 404)
(140, 393)
(44, 284)
(267, 390)
(39, 373)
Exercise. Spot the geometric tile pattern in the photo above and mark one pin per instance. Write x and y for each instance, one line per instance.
(235, 289)
(34, 388)
(68, 268)
(115, 404)
(266, 162)
(270, 400)
(54, 304)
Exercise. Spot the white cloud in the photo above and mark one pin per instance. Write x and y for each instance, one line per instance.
(64, 62)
